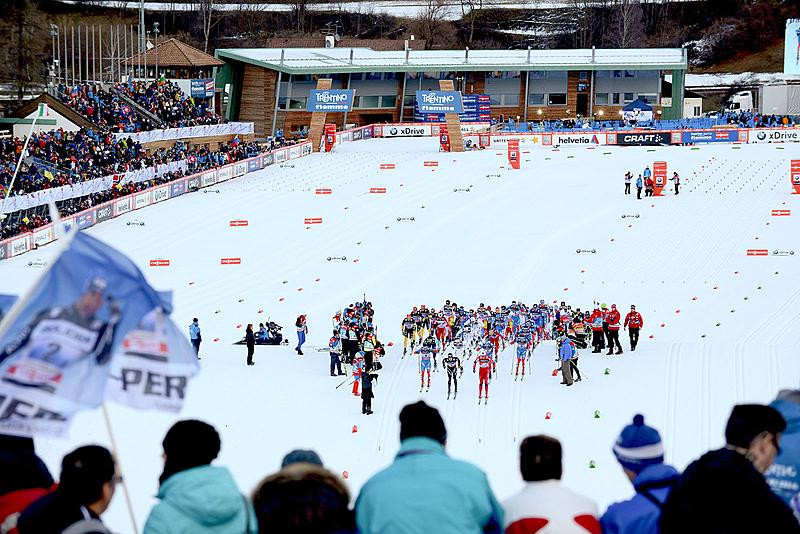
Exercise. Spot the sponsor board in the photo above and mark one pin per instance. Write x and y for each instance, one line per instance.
(358, 134)
(643, 138)
(240, 169)
(781, 213)
(578, 139)
(439, 102)
(122, 206)
(142, 200)
(330, 100)
(368, 132)
(377, 189)
(531, 140)
(430, 163)
(85, 219)
(709, 136)
(225, 173)
(19, 246)
(294, 152)
(305, 149)
(230, 261)
(412, 130)
(254, 164)
(239, 222)
(387, 166)
(281, 155)
(159, 194)
(159, 263)
(43, 236)
(208, 178)
(757, 252)
(323, 191)
(193, 183)
(786, 135)
(312, 220)
(3, 251)
(68, 223)
(268, 159)
(178, 188)
(103, 212)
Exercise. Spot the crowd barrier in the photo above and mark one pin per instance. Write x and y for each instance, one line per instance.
(102, 212)
(170, 134)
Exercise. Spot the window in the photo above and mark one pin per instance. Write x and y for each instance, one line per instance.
(583, 75)
(366, 102)
(617, 74)
(649, 98)
(409, 100)
(536, 99)
(557, 99)
(602, 74)
(496, 100)
(300, 78)
(503, 74)
(538, 74)
(511, 100)
(356, 76)
(372, 75)
(388, 101)
(282, 102)
(628, 98)
(696, 111)
(298, 103)
(616, 98)
(601, 99)
(630, 73)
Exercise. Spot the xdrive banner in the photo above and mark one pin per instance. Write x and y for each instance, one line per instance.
(439, 102)
(330, 100)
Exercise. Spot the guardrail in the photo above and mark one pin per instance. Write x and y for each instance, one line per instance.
(26, 242)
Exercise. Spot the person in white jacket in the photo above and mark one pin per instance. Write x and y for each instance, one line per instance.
(544, 505)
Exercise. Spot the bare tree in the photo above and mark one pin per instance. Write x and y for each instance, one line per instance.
(22, 54)
(583, 14)
(471, 10)
(430, 21)
(210, 16)
(299, 9)
(629, 27)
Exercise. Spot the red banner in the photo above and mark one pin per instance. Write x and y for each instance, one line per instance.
(795, 176)
(377, 189)
(431, 163)
(659, 177)
(230, 261)
(781, 213)
(159, 263)
(385, 166)
(239, 222)
(757, 252)
(312, 220)
(323, 191)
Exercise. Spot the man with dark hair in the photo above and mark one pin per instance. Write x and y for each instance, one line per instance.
(195, 496)
(725, 491)
(88, 479)
(425, 490)
(544, 505)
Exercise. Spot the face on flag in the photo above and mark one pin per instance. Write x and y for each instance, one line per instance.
(92, 327)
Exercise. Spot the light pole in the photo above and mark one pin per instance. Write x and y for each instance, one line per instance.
(145, 57)
(156, 32)
(54, 66)
(797, 32)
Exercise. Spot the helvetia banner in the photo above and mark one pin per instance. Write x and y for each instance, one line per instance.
(330, 100)
(439, 102)
(91, 328)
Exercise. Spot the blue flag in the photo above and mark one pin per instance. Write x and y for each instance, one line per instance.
(66, 338)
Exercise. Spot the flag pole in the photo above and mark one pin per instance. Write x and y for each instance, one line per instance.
(115, 452)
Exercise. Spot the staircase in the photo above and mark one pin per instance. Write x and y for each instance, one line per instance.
(138, 108)
(452, 120)
(318, 117)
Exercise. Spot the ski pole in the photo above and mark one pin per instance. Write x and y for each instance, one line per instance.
(343, 381)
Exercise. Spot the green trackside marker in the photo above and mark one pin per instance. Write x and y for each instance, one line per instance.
(736, 147)
(607, 371)
(570, 157)
(779, 148)
(597, 414)
(606, 153)
(651, 149)
(547, 159)
(695, 148)
(592, 464)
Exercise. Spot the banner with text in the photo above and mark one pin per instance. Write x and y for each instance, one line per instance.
(330, 100)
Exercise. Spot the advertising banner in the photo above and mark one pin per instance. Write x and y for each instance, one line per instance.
(367, 132)
(268, 159)
(357, 135)
(122, 205)
(43, 236)
(294, 152)
(784, 135)
(710, 136)
(85, 219)
(20, 245)
(141, 200)
(411, 130)
(794, 175)
(254, 164)
(193, 183)
(579, 139)
(641, 138)
(3, 250)
(160, 193)
(281, 156)
(330, 100)
(209, 178)
(305, 149)
(240, 169)
(524, 140)
(103, 212)
(203, 88)
(439, 102)
(177, 188)
(225, 173)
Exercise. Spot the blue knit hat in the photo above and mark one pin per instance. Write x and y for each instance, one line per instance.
(638, 446)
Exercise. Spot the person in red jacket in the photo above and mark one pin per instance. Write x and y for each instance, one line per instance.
(613, 330)
(634, 322)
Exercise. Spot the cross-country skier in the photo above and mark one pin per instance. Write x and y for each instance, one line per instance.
(358, 370)
(487, 366)
(452, 364)
(494, 339)
(522, 352)
(335, 345)
(441, 330)
(368, 344)
(408, 328)
(429, 345)
(424, 365)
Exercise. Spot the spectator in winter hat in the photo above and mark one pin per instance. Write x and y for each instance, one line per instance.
(301, 456)
(88, 481)
(24, 479)
(189, 484)
(303, 497)
(724, 491)
(425, 490)
(783, 476)
(641, 454)
(544, 505)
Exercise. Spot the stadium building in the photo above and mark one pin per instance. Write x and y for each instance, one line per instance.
(269, 86)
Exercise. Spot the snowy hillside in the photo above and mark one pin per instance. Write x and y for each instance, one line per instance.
(720, 326)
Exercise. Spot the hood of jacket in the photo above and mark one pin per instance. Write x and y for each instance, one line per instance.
(207, 494)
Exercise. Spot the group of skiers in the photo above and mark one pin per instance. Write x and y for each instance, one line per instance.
(645, 180)
(354, 342)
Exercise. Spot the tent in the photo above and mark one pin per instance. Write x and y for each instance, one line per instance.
(638, 111)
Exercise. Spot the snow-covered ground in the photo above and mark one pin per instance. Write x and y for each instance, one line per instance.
(723, 324)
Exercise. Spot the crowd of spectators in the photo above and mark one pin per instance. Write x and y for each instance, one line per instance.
(162, 98)
(748, 119)
(729, 490)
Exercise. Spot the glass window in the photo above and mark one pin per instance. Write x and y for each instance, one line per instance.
(388, 101)
(616, 98)
(649, 98)
(602, 74)
(300, 78)
(298, 102)
(282, 102)
(630, 73)
(557, 99)
(601, 99)
(557, 74)
(617, 74)
(697, 111)
(538, 74)
(367, 101)
(583, 75)
(409, 100)
(511, 100)
(373, 75)
(495, 100)
(536, 99)
(430, 75)
(628, 97)
(356, 76)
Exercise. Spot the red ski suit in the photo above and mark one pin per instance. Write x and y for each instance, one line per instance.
(486, 366)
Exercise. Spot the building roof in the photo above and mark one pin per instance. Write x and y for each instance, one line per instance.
(344, 42)
(175, 53)
(333, 60)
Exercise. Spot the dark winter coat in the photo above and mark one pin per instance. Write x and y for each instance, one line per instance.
(784, 474)
(250, 339)
(55, 512)
(723, 493)
(366, 385)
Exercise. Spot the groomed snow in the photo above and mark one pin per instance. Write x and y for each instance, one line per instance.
(512, 236)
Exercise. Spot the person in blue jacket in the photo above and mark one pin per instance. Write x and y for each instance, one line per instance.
(196, 497)
(194, 336)
(425, 490)
(641, 454)
(639, 185)
(784, 474)
(566, 352)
